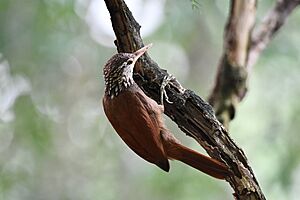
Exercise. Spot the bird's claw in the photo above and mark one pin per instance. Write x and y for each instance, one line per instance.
(163, 92)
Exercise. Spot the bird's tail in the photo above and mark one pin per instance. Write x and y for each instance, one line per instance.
(194, 159)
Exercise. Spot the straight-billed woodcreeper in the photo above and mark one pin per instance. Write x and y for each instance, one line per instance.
(138, 119)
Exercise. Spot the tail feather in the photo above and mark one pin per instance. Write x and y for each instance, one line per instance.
(199, 161)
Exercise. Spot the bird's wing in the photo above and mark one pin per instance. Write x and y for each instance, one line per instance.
(137, 121)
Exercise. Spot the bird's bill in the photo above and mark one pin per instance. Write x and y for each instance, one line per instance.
(141, 51)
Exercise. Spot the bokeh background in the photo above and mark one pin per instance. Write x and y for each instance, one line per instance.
(55, 142)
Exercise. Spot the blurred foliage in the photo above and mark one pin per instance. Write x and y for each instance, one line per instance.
(55, 142)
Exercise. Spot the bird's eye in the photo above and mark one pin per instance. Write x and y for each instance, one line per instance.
(129, 61)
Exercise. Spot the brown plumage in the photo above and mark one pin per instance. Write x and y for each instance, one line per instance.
(138, 120)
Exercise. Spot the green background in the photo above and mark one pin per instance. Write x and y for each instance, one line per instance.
(56, 143)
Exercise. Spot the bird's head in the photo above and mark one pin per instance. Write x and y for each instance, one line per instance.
(118, 71)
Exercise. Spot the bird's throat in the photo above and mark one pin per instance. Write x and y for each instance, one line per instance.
(117, 84)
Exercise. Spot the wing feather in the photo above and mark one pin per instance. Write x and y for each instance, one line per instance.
(135, 118)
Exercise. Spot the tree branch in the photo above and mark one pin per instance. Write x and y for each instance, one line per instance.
(271, 24)
(242, 48)
(231, 79)
(190, 112)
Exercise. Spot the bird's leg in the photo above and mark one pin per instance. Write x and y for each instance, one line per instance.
(163, 93)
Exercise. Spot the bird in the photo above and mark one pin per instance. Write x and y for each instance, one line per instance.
(139, 122)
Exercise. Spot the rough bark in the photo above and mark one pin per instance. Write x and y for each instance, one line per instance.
(190, 112)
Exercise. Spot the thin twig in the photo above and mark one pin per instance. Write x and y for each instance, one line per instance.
(271, 24)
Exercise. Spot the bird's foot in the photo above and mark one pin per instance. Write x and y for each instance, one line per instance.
(163, 92)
